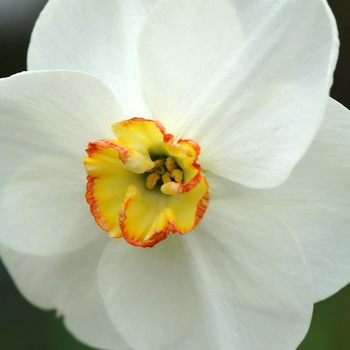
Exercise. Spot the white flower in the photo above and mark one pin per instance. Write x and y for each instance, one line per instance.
(246, 80)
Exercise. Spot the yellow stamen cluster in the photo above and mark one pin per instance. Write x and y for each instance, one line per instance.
(166, 170)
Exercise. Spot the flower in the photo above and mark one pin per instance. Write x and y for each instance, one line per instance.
(247, 85)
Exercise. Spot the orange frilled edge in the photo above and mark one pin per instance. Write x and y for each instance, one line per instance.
(119, 200)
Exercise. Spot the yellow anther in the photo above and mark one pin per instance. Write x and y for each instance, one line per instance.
(166, 177)
(170, 164)
(159, 162)
(164, 169)
(158, 166)
(160, 170)
(151, 180)
(177, 175)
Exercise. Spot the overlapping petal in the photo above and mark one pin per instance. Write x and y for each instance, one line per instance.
(314, 202)
(239, 77)
(149, 293)
(98, 37)
(48, 118)
(237, 281)
(68, 283)
(255, 289)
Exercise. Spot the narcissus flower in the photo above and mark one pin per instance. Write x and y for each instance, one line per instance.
(200, 216)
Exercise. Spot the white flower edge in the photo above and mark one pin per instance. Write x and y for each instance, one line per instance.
(74, 35)
(214, 54)
(47, 119)
(253, 97)
(67, 282)
(241, 272)
(314, 202)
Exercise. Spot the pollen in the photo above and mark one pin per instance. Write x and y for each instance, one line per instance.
(152, 180)
(177, 175)
(170, 164)
(165, 170)
(166, 177)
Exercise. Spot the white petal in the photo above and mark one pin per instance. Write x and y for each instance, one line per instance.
(47, 119)
(149, 293)
(43, 208)
(59, 111)
(96, 37)
(68, 283)
(247, 80)
(315, 203)
(252, 280)
(240, 274)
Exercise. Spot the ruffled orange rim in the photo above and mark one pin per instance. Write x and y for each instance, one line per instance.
(119, 200)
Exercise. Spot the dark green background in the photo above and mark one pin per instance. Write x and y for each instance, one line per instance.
(24, 327)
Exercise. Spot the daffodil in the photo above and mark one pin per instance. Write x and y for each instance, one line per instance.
(158, 187)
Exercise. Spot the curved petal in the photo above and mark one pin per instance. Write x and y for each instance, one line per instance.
(251, 96)
(148, 293)
(252, 281)
(48, 118)
(43, 209)
(315, 203)
(239, 274)
(98, 37)
(68, 283)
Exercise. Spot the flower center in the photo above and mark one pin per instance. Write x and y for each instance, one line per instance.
(166, 170)
(124, 173)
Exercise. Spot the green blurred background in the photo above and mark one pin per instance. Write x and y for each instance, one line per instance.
(24, 327)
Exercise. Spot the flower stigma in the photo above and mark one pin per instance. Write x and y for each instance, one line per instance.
(143, 185)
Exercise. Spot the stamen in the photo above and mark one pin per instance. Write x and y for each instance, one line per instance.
(160, 170)
(170, 164)
(151, 180)
(165, 169)
(177, 175)
(157, 163)
(166, 177)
